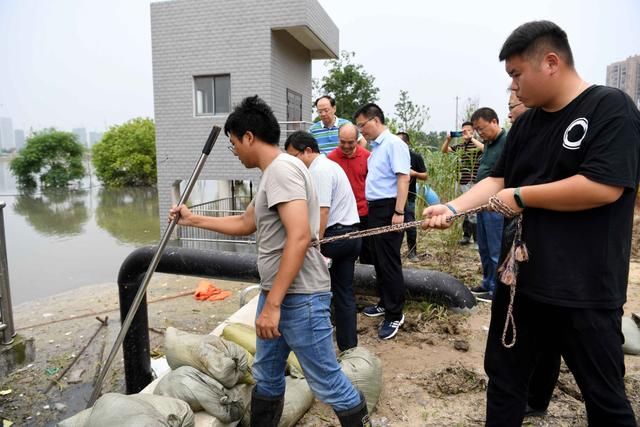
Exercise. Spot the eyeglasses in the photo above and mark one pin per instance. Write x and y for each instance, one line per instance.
(512, 106)
(361, 125)
(232, 148)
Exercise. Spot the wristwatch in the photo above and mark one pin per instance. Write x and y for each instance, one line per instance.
(518, 198)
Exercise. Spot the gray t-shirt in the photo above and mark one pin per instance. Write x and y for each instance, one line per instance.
(284, 180)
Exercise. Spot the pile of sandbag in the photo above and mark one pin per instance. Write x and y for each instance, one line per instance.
(631, 333)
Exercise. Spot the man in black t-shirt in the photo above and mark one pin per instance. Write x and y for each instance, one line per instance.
(418, 171)
(571, 167)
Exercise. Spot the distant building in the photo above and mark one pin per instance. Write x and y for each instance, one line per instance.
(18, 136)
(625, 75)
(94, 138)
(208, 56)
(6, 134)
(81, 134)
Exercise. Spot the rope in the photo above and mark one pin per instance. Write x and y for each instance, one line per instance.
(508, 270)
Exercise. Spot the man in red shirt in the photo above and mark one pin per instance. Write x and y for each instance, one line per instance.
(353, 160)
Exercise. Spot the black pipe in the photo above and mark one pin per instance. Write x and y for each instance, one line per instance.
(421, 284)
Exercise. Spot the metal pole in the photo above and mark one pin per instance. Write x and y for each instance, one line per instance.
(456, 125)
(152, 267)
(6, 312)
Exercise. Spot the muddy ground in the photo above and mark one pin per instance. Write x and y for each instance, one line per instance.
(433, 372)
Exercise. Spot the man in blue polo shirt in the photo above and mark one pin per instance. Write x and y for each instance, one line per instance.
(326, 130)
(386, 191)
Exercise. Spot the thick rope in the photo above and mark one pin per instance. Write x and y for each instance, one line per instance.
(508, 270)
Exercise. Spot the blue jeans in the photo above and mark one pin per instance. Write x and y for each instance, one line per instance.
(306, 330)
(489, 235)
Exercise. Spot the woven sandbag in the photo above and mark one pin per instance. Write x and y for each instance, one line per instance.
(364, 369)
(222, 360)
(631, 333)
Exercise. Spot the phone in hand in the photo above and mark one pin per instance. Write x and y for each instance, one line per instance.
(455, 133)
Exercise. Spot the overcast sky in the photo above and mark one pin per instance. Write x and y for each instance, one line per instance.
(87, 63)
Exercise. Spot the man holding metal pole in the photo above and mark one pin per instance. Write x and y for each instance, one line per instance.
(293, 307)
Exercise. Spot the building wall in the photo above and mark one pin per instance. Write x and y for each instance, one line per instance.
(203, 37)
(6, 133)
(625, 75)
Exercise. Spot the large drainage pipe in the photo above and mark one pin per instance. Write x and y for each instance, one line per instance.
(421, 284)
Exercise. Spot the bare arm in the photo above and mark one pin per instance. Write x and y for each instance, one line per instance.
(575, 193)
(479, 145)
(422, 176)
(237, 225)
(294, 216)
(401, 198)
(445, 146)
(324, 220)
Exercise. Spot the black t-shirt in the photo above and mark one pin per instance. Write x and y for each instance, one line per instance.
(576, 259)
(417, 164)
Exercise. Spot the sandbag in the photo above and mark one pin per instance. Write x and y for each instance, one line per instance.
(364, 369)
(631, 333)
(222, 360)
(136, 410)
(245, 336)
(202, 392)
(298, 398)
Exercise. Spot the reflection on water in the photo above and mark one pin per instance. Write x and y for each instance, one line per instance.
(54, 212)
(129, 214)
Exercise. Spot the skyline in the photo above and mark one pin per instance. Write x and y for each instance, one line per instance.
(75, 63)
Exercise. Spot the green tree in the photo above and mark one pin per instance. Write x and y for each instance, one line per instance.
(52, 157)
(126, 154)
(349, 84)
(410, 116)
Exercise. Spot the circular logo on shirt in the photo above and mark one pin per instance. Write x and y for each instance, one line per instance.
(575, 133)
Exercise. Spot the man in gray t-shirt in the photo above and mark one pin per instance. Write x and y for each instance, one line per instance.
(293, 307)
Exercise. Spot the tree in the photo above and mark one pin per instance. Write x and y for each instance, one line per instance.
(468, 110)
(411, 117)
(126, 154)
(349, 84)
(52, 157)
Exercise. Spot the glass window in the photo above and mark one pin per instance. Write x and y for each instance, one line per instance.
(212, 94)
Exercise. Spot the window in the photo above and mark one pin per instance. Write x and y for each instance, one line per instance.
(212, 94)
(294, 106)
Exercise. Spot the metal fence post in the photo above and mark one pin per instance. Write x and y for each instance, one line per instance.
(7, 329)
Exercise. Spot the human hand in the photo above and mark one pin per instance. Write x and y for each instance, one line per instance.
(183, 213)
(397, 219)
(436, 216)
(268, 321)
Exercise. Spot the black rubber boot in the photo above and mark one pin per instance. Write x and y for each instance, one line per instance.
(355, 417)
(266, 411)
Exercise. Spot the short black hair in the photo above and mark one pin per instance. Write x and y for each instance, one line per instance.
(404, 136)
(255, 116)
(369, 110)
(467, 123)
(331, 100)
(536, 38)
(301, 140)
(486, 114)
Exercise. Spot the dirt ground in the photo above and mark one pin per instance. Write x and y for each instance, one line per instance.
(433, 370)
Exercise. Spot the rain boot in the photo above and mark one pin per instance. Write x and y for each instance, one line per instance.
(355, 417)
(266, 411)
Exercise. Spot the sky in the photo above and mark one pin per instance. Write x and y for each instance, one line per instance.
(87, 63)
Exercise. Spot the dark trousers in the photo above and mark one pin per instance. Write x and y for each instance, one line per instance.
(387, 262)
(366, 251)
(343, 254)
(412, 233)
(543, 380)
(589, 340)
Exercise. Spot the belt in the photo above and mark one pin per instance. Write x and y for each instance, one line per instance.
(342, 227)
(381, 202)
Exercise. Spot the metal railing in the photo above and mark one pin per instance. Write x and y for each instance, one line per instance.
(217, 208)
(7, 330)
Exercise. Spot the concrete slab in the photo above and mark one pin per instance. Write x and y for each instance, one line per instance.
(20, 352)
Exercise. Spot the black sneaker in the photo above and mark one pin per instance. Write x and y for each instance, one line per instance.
(479, 290)
(464, 241)
(373, 311)
(531, 412)
(389, 328)
(484, 297)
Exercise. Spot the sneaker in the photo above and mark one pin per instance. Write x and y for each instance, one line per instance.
(373, 311)
(464, 241)
(479, 290)
(389, 328)
(413, 257)
(485, 296)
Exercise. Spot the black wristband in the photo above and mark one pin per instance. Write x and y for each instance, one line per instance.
(398, 213)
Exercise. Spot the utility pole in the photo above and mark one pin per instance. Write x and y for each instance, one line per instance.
(455, 126)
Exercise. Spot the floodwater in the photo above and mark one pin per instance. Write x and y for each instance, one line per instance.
(61, 240)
